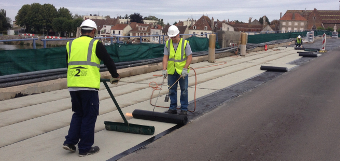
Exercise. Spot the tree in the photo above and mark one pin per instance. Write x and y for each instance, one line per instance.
(57, 24)
(126, 16)
(67, 26)
(320, 28)
(175, 23)
(76, 23)
(4, 21)
(261, 20)
(76, 16)
(35, 17)
(151, 18)
(276, 23)
(22, 18)
(330, 29)
(160, 22)
(64, 12)
(48, 13)
(136, 17)
(107, 17)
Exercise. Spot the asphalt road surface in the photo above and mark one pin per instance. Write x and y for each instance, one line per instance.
(295, 116)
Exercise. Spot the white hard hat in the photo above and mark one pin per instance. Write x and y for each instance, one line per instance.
(299, 36)
(88, 25)
(173, 31)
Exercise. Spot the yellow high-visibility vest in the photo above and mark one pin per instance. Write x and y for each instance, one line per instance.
(298, 40)
(83, 63)
(177, 59)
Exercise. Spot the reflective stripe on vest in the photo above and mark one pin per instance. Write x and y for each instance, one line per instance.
(83, 64)
(89, 55)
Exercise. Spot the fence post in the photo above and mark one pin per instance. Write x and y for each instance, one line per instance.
(34, 46)
(159, 39)
(44, 42)
(211, 50)
(140, 38)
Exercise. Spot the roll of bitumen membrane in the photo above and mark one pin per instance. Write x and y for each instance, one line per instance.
(307, 55)
(274, 69)
(296, 48)
(161, 117)
(304, 52)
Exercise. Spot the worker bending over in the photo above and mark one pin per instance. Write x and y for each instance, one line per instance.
(176, 61)
(298, 42)
(83, 81)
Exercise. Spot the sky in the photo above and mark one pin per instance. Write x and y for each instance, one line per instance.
(175, 10)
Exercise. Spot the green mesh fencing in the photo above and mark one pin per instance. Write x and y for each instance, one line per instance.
(261, 38)
(198, 43)
(29, 60)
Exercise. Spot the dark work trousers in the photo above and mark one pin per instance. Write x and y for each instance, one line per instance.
(85, 105)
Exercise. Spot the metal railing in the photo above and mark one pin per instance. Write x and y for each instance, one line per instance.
(117, 38)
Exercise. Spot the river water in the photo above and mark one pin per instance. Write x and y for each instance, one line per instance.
(15, 47)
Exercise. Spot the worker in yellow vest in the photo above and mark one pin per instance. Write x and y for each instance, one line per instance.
(176, 61)
(298, 42)
(83, 81)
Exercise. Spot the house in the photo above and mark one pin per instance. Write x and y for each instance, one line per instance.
(292, 22)
(319, 18)
(252, 27)
(202, 27)
(105, 31)
(104, 25)
(150, 22)
(123, 21)
(156, 30)
(139, 29)
(92, 17)
(120, 30)
(222, 26)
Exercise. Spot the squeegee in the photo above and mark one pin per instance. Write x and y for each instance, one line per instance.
(125, 127)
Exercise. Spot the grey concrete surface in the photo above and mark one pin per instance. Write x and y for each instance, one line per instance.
(34, 126)
(293, 117)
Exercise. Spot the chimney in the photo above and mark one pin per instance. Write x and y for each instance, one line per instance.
(264, 18)
(280, 15)
(212, 23)
(250, 19)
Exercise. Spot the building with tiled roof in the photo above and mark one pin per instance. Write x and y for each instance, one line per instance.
(319, 18)
(140, 29)
(156, 30)
(203, 26)
(252, 27)
(121, 29)
(292, 22)
(105, 24)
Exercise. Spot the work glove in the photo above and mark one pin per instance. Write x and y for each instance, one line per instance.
(184, 72)
(114, 80)
(165, 73)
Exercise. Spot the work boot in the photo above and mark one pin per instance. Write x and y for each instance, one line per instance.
(93, 150)
(70, 147)
(171, 111)
(183, 112)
